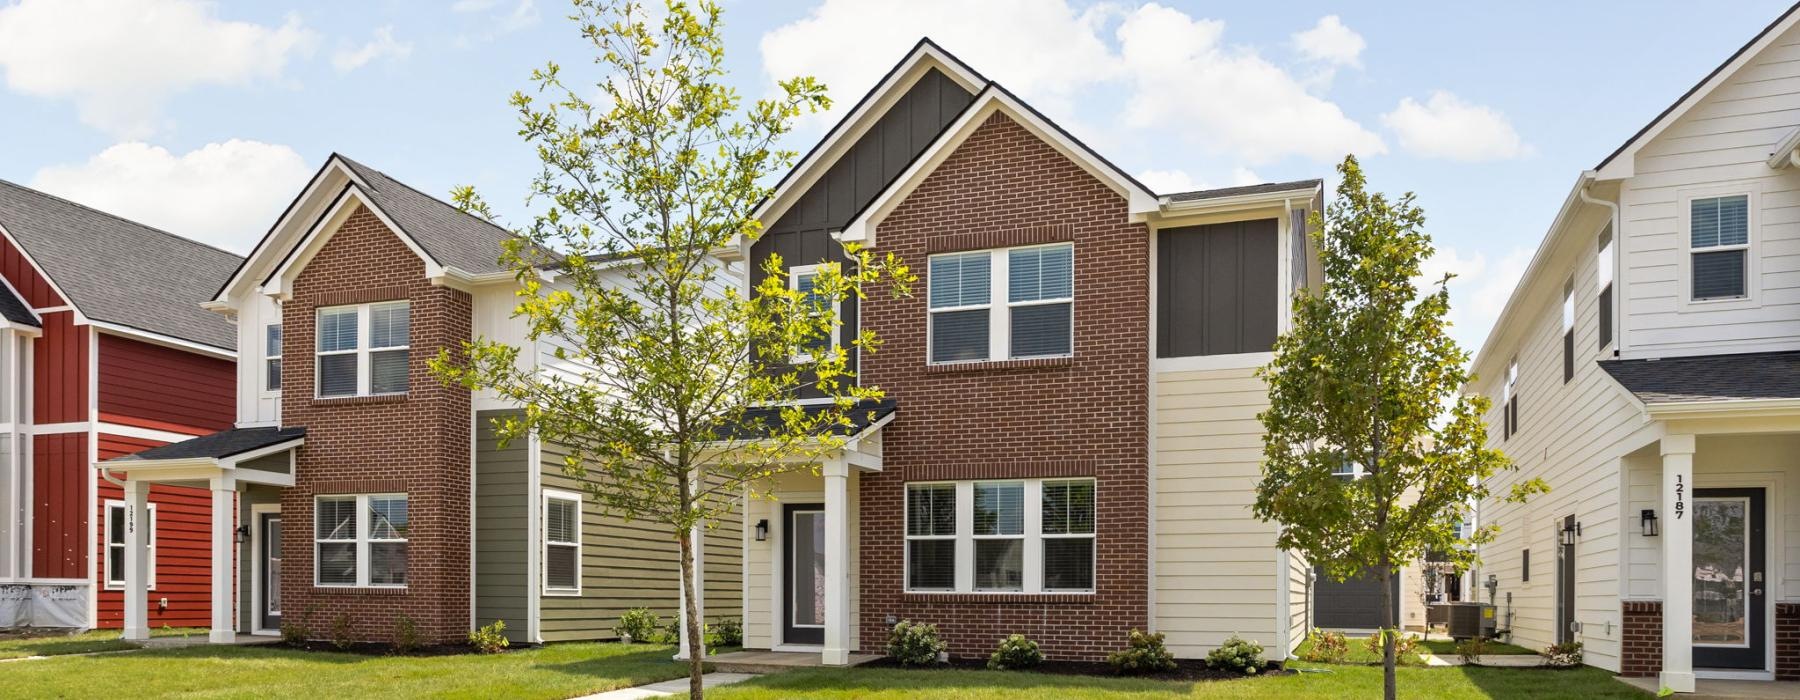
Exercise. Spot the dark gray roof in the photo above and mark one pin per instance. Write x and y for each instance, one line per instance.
(14, 309)
(758, 422)
(224, 443)
(1762, 375)
(120, 271)
(1245, 189)
(451, 236)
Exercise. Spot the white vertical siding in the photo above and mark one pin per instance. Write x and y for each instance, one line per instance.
(255, 406)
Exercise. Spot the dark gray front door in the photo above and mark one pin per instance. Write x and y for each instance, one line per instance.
(803, 579)
(271, 571)
(1730, 589)
(1352, 604)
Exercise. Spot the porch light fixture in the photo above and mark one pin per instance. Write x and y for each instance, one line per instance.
(762, 530)
(1647, 519)
(243, 534)
(1569, 534)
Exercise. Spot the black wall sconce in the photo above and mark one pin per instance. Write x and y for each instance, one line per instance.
(1647, 519)
(762, 530)
(1569, 534)
(243, 534)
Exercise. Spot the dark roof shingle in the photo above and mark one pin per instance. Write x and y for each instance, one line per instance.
(119, 271)
(1244, 190)
(451, 236)
(13, 309)
(758, 422)
(1746, 376)
(219, 445)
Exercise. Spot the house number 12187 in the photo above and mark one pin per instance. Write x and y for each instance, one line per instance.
(1680, 504)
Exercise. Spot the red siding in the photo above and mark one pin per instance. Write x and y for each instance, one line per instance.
(183, 549)
(151, 386)
(31, 285)
(59, 371)
(59, 477)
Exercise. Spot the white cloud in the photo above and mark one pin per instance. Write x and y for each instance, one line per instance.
(1479, 291)
(1331, 42)
(472, 5)
(1228, 98)
(119, 60)
(523, 14)
(1245, 176)
(1170, 181)
(1047, 52)
(226, 194)
(384, 45)
(1448, 127)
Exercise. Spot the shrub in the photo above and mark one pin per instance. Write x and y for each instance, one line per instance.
(1236, 655)
(668, 634)
(341, 636)
(490, 639)
(1404, 644)
(638, 625)
(728, 632)
(1470, 650)
(1565, 655)
(915, 644)
(1326, 647)
(407, 638)
(1146, 654)
(1015, 651)
(298, 630)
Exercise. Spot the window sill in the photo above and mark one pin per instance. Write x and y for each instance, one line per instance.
(561, 593)
(994, 365)
(992, 598)
(359, 400)
(360, 590)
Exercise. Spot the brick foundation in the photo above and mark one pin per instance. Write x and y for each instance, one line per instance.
(1787, 641)
(1641, 652)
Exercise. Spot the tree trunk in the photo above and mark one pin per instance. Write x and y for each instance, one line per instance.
(696, 634)
(1389, 630)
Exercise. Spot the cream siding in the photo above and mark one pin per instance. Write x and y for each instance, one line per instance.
(255, 406)
(761, 558)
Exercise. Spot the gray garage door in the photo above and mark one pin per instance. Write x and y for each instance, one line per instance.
(1354, 604)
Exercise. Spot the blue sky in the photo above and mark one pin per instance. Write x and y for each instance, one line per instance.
(206, 118)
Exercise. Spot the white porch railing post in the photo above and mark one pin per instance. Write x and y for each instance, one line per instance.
(837, 561)
(137, 616)
(1678, 563)
(224, 560)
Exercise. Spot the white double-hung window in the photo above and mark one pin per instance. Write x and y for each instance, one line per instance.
(1719, 247)
(272, 357)
(363, 349)
(116, 541)
(1007, 303)
(562, 543)
(1003, 536)
(360, 540)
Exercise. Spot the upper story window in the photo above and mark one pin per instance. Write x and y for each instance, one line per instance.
(1568, 329)
(1012, 536)
(1008, 303)
(115, 545)
(1509, 401)
(1603, 275)
(272, 357)
(801, 279)
(1719, 247)
(1218, 288)
(363, 349)
(360, 540)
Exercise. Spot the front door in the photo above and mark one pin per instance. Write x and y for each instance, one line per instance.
(803, 580)
(271, 571)
(1730, 593)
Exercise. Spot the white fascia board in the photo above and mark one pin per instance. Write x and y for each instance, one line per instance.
(1503, 332)
(164, 340)
(271, 247)
(1724, 408)
(1262, 200)
(1786, 152)
(321, 232)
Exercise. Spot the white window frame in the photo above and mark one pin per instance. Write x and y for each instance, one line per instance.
(1000, 304)
(1033, 560)
(906, 528)
(271, 358)
(1354, 471)
(149, 546)
(551, 495)
(363, 351)
(1752, 192)
(362, 540)
(1605, 277)
(1093, 550)
(1509, 419)
(1025, 532)
(793, 279)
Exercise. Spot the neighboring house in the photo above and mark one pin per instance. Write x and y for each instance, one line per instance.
(1069, 445)
(1648, 368)
(368, 491)
(104, 351)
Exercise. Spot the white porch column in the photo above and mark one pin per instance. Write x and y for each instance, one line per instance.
(137, 616)
(698, 585)
(837, 563)
(1678, 563)
(224, 560)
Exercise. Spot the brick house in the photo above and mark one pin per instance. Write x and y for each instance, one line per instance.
(99, 359)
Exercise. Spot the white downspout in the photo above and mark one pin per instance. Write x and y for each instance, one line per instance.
(1618, 240)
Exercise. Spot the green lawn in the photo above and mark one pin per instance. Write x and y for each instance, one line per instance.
(86, 642)
(1359, 653)
(1341, 681)
(555, 671)
(1445, 647)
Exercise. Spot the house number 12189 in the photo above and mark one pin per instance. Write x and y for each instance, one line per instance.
(1680, 504)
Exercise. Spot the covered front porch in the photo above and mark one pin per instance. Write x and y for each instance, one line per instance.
(244, 470)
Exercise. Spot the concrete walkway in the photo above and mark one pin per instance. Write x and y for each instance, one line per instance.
(1491, 660)
(1715, 689)
(667, 688)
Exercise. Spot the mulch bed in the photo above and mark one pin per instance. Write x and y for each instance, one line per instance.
(380, 649)
(1185, 669)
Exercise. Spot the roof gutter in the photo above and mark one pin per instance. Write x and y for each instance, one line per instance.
(1570, 205)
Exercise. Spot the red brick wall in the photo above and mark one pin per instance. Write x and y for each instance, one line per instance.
(417, 443)
(1643, 633)
(1787, 641)
(1034, 418)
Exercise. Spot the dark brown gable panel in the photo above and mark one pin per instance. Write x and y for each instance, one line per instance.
(1217, 291)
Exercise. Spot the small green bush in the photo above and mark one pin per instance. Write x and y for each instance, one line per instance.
(728, 632)
(668, 634)
(1326, 647)
(639, 625)
(407, 637)
(1238, 656)
(1146, 654)
(915, 644)
(1565, 655)
(1015, 652)
(297, 630)
(1470, 650)
(1404, 644)
(490, 639)
(341, 636)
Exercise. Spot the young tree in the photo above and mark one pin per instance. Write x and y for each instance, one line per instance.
(648, 174)
(1368, 376)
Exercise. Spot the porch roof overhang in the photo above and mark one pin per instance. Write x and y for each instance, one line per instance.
(212, 456)
(860, 445)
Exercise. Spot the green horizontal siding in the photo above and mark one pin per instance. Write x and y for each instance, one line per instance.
(502, 529)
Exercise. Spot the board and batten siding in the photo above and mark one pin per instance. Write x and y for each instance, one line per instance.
(503, 536)
(634, 564)
(1720, 146)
